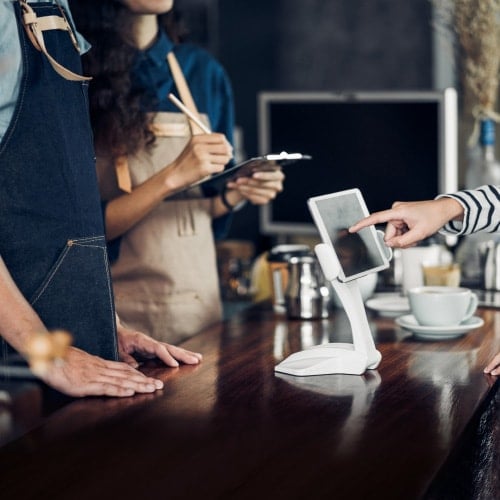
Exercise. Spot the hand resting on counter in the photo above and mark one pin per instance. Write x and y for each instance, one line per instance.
(133, 341)
(82, 374)
(493, 367)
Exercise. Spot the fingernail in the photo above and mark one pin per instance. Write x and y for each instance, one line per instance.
(158, 384)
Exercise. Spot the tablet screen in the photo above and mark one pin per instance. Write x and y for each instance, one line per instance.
(358, 253)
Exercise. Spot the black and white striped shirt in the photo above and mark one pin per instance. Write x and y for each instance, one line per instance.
(481, 210)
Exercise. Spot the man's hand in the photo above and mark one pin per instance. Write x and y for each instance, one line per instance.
(81, 374)
(132, 341)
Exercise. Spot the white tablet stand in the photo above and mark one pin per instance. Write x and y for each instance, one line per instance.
(338, 357)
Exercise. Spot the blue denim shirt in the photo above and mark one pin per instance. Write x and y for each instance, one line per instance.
(11, 61)
(206, 78)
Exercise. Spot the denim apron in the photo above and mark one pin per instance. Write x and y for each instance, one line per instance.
(51, 226)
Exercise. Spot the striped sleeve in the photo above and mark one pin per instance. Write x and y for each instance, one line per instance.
(481, 211)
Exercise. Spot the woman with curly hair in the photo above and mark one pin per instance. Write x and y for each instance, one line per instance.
(165, 273)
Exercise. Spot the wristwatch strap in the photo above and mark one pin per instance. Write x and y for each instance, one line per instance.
(225, 202)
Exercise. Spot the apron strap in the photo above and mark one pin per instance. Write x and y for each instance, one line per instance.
(170, 129)
(159, 130)
(185, 220)
(123, 174)
(35, 26)
(184, 92)
(162, 129)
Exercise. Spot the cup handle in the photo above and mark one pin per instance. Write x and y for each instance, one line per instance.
(472, 307)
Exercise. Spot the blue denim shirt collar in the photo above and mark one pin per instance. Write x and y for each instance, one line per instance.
(158, 51)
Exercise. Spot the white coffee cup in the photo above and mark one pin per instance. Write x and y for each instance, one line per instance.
(441, 305)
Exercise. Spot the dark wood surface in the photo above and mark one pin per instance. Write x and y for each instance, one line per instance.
(231, 428)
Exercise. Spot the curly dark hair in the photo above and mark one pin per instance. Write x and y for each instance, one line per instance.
(119, 122)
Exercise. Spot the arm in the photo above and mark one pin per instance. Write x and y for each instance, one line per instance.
(410, 222)
(464, 212)
(481, 210)
(18, 320)
(204, 155)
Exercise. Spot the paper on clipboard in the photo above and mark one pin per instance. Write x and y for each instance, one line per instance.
(248, 167)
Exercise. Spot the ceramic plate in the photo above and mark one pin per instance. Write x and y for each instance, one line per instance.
(409, 322)
(389, 305)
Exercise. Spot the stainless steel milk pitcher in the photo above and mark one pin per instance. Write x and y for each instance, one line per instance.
(306, 297)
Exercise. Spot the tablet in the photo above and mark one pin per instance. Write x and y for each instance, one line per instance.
(358, 253)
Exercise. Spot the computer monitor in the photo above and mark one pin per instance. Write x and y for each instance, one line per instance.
(392, 145)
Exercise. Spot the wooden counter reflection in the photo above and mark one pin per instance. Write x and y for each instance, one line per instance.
(231, 428)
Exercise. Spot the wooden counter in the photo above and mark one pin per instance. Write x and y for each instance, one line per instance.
(232, 429)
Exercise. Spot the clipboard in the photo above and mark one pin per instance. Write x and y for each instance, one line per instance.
(247, 168)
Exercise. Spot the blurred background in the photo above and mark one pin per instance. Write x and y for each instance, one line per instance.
(316, 45)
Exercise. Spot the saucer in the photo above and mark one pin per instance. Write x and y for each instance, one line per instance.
(389, 305)
(409, 322)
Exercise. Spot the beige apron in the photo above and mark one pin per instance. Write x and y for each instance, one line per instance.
(165, 279)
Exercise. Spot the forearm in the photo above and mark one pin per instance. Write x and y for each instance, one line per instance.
(126, 211)
(203, 156)
(448, 209)
(18, 321)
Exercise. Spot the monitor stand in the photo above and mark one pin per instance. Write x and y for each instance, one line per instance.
(331, 358)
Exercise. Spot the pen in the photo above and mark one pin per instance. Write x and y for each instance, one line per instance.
(189, 114)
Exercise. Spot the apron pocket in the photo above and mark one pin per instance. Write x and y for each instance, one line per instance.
(76, 296)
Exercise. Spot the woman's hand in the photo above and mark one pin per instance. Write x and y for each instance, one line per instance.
(259, 189)
(204, 155)
(410, 222)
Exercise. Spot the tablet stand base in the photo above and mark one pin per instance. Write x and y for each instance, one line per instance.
(325, 359)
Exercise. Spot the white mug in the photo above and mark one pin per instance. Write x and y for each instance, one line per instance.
(442, 305)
